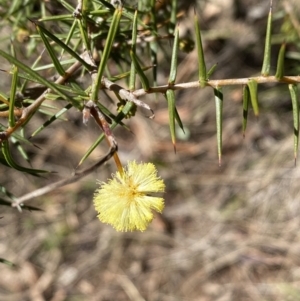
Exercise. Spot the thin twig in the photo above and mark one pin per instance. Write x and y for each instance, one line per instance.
(78, 10)
(125, 94)
(17, 113)
(101, 121)
(77, 176)
(217, 83)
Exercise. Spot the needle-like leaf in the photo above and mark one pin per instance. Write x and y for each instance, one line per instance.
(133, 49)
(294, 96)
(201, 61)
(13, 89)
(174, 5)
(219, 118)
(173, 71)
(38, 78)
(211, 71)
(178, 119)
(252, 84)
(171, 107)
(7, 262)
(246, 97)
(153, 44)
(106, 52)
(267, 53)
(51, 119)
(63, 46)
(11, 162)
(53, 55)
(280, 62)
(140, 72)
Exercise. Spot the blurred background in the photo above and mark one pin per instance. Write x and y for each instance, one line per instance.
(227, 233)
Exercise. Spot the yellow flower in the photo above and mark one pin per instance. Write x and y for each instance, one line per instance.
(125, 203)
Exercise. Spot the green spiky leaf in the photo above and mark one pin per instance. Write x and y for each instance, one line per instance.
(294, 96)
(106, 51)
(280, 62)
(170, 94)
(53, 55)
(133, 49)
(219, 119)
(40, 79)
(201, 61)
(7, 262)
(51, 119)
(140, 72)
(11, 162)
(246, 97)
(252, 84)
(173, 70)
(265, 71)
(13, 89)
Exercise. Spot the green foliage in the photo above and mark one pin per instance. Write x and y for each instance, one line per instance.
(108, 42)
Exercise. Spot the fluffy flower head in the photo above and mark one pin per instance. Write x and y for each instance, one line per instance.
(124, 201)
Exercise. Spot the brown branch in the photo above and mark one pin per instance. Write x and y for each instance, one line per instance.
(77, 176)
(93, 110)
(17, 113)
(125, 94)
(101, 121)
(218, 83)
(133, 96)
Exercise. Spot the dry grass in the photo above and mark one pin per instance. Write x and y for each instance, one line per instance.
(229, 233)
